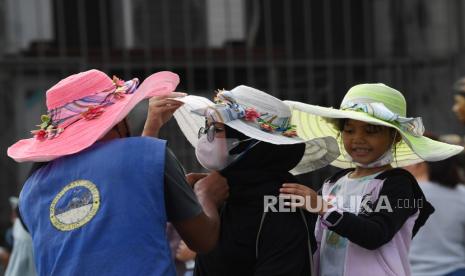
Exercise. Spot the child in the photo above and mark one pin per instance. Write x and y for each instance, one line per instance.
(367, 214)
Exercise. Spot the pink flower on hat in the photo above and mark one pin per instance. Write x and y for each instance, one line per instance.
(39, 134)
(93, 112)
(42, 132)
(118, 82)
(251, 114)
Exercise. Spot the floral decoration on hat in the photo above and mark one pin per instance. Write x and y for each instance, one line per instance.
(87, 108)
(227, 109)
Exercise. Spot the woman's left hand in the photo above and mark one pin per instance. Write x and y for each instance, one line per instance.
(161, 109)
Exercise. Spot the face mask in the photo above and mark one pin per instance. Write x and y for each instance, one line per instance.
(215, 155)
(383, 160)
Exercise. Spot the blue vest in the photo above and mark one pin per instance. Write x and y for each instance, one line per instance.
(100, 211)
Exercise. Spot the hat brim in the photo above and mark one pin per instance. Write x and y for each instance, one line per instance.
(84, 133)
(311, 122)
(319, 151)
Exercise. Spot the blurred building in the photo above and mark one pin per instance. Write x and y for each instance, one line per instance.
(308, 50)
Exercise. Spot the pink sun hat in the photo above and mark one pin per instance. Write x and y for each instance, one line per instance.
(82, 108)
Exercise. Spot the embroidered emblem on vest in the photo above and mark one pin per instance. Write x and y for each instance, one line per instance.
(75, 205)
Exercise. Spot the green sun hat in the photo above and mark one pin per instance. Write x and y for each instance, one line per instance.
(378, 104)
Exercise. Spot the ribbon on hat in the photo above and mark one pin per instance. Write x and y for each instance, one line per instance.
(227, 109)
(87, 108)
(411, 125)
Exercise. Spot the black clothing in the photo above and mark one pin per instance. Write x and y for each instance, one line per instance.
(280, 245)
(374, 229)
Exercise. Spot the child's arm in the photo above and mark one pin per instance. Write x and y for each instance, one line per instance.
(371, 230)
(374, 229)
(304, 197)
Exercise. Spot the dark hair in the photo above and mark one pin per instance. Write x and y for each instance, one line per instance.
(446, 172)
(340, 123)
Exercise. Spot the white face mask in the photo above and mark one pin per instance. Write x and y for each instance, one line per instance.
(215, 155)
(383, 160)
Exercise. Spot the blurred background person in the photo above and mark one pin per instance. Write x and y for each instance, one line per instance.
(21, 261)
(6, 239)
(439, 247)
(459, 100)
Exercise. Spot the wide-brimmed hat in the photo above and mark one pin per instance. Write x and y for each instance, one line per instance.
(377, 104)
(257, 115)
(82, 108)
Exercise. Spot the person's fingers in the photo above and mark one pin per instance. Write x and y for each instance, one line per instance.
(182, 244)
(183, 253)
(194, 177)
(174, 102)
(171, 108)
(293, 200)
(181, 247)
(198, 174)
(292, 185)
(294, 204)
(177, 94)
(170, 95)
(164, 102)
(294, 191)
(290, 196)
(165, 109)
(303, 189)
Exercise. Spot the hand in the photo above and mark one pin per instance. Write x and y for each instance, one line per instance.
(213, 187)
(161, 109)
(183, 253)
(303, 196)
(4, 257)
(192, 178)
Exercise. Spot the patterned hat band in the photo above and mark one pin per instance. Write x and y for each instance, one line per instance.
(87, 108)
(414, 126)
(226, 109)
